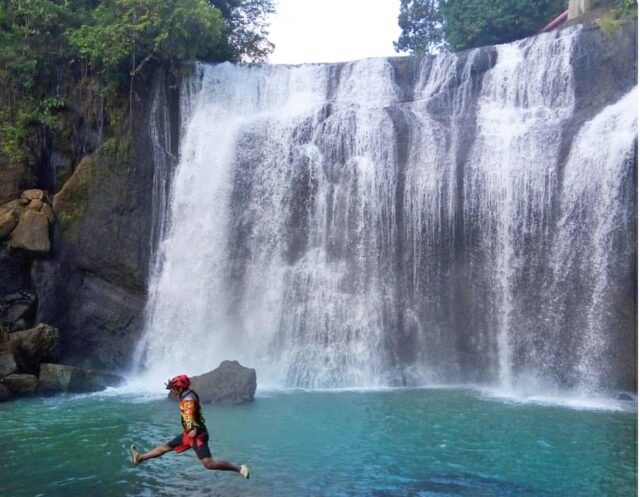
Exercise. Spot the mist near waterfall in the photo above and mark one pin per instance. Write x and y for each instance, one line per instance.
(400, 222)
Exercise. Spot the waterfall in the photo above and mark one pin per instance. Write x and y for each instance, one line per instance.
(399, 222)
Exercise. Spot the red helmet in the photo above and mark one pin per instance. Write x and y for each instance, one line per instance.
(180, 381)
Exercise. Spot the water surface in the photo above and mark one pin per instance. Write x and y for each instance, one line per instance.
(428, 442)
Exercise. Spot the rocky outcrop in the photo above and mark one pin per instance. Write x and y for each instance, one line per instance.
(7, 363)
(20, 384)
(27, 221)
(17, 310)
(94, 288)
(60, 378)
(24, 368)
(5, 393)
(228, 384)
(25, 226)
(20, 356)
(9, 216)
(34, 346)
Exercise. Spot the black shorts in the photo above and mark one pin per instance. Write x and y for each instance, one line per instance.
(199, 443)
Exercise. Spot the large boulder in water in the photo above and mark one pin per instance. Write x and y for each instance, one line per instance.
(228, 384)
(61, 378)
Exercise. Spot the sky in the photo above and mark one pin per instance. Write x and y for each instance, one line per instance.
(333, 30)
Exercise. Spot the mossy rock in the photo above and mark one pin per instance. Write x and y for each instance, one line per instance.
(93, 177)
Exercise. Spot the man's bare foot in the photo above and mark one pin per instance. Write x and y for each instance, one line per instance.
(244, 471)
(134, 454)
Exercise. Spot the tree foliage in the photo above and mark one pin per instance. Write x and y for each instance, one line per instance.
(246, 24)
(428, 26)
(130, 32)
(422, 25)
(43, 42)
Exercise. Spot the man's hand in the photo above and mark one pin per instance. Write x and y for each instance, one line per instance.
(192, 433)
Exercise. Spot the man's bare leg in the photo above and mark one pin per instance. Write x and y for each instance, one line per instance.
(155, 452)
(221, 465)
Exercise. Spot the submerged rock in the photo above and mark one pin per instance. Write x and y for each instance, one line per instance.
(61, 378)
(228, 384)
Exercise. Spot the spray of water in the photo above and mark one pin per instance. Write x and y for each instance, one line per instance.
(340, 226)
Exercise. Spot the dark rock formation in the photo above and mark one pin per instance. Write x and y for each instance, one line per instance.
(60, 378)
(20, 384)
(17, 310)
(7, 362)
(5, 393)
(228, 384)
(94, 288)
(34, 346)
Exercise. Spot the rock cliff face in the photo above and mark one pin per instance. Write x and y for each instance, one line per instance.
(93, 287)
(89, 277)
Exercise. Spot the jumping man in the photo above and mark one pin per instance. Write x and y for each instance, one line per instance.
(194, 432)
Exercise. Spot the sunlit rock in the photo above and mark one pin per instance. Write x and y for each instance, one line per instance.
(32, 233)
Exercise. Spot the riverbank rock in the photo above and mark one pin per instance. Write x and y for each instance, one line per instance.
(7, 363)
(60, 378)
(228, 384)
(31, 347)
(20, 384)
(5, 393)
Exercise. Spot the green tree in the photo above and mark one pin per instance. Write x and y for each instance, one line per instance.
(432, 25)
(474, 23)
(131, 32)
(93, 50)
(32, 46)
(422, 25)
(246, 22)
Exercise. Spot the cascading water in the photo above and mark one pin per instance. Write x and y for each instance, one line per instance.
(399, 222)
